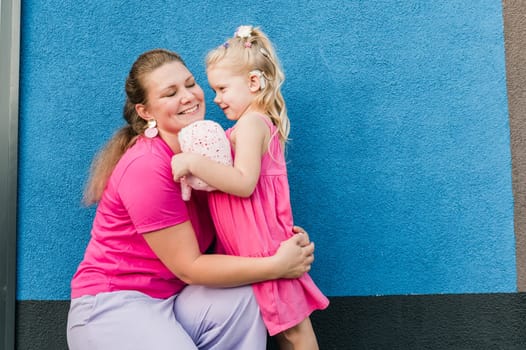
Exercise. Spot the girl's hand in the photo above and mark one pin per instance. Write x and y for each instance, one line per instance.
(181, 165)
(295, 256)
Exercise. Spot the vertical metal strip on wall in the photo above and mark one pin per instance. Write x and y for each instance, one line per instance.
(515, 42)
(9, 85)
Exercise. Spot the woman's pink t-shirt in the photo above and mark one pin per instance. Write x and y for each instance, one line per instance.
(140, 197)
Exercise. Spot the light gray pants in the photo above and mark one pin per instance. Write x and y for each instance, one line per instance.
(197, 318)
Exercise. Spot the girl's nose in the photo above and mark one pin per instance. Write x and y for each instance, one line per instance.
(217, 100)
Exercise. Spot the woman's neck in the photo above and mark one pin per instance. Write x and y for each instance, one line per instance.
(171, 140)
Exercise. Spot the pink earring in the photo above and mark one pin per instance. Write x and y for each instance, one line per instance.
(152, 130)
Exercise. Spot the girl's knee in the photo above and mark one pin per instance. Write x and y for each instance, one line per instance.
(301, 336)
(292, 334)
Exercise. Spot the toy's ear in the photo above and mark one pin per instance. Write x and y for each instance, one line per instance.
(256, 80)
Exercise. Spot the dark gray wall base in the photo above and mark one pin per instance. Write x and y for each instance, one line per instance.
(465, 321)
(41, 325)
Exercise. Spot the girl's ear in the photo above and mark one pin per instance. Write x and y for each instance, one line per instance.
(256, 81)
(253, 83)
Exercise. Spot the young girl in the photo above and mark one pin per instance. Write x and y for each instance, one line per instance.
(246, 76)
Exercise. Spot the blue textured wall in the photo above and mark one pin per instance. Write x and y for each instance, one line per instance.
(400, 164)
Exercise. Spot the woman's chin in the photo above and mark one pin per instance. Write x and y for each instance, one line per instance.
(189, 119)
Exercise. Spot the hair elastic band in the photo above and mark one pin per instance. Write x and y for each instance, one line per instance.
(243, 32)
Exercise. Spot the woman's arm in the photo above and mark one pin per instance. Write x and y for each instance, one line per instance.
(177, 248)
(251, 138)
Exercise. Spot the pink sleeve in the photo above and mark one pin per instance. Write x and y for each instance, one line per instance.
(151, 197)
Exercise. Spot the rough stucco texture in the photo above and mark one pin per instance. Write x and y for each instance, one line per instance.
(400, 163)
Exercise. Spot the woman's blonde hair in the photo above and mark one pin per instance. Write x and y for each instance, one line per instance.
(106, 160)
(251, 50)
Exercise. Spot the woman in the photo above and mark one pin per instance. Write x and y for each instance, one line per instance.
(145, 282)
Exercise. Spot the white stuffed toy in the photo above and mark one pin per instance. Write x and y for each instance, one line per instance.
(207, 138)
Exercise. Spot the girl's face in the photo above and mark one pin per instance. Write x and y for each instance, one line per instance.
(234, 94)
(174, 99)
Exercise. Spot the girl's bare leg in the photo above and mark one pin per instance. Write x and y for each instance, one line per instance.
(282, 342)
(299, 337)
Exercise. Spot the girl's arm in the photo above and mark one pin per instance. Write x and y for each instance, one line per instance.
(251, 139)
(177, 248)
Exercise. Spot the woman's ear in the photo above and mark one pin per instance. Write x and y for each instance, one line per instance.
(141, 111)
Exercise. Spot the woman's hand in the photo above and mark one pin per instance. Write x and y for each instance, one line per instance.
(301, 230)
(295, 256)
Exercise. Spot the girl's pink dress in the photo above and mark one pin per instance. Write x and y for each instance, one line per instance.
(255, 226)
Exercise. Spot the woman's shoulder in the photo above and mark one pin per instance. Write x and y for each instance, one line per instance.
(146, 149)
(146, 155)
(144, 168)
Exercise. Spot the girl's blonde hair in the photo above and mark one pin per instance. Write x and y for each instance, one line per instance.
(106, 160)
(251, 50)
